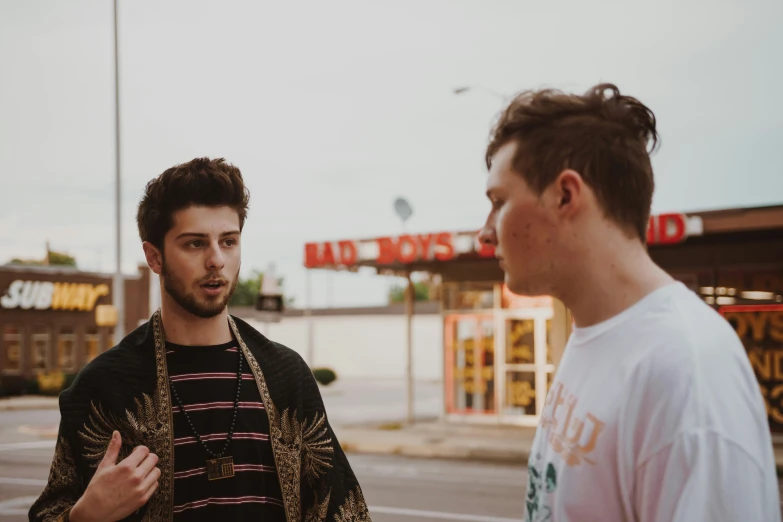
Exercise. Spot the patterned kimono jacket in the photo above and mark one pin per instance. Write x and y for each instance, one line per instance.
(127, 389)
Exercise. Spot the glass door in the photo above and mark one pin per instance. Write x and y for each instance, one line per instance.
(470, 364)
(526, 363)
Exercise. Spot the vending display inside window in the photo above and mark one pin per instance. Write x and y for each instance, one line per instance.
(66, 349)
(520, 341)
(487, 373)
(760, 328)
(521, 392)
(471, 356)
(40, 349)
(520, 385)
(12, 349)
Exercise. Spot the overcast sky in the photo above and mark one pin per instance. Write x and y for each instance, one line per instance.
(333, 109)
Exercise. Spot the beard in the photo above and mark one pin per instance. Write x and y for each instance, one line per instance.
(206, 308)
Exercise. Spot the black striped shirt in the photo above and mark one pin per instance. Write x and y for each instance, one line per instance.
(205, 379)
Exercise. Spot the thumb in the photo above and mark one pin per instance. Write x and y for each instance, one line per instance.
(113, 450)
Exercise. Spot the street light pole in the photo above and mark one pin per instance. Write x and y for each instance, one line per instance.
(410, 297)
(119, 290)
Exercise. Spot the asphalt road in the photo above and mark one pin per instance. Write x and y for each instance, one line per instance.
(398, 489)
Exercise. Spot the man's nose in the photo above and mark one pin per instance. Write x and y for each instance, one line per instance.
(216, 259)
(487, 236)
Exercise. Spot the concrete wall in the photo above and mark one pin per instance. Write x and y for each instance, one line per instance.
(364, 346)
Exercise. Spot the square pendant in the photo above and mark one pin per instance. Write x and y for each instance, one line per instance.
(220, 468)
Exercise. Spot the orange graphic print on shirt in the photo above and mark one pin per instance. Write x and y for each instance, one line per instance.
(570, 436)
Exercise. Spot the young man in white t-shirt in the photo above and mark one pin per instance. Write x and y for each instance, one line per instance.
(655, 414)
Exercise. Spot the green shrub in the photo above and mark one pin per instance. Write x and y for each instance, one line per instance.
(324, 376)
(32, 387)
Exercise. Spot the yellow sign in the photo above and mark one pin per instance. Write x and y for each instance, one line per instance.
(760, 328)
(46, 295)
(106, 315)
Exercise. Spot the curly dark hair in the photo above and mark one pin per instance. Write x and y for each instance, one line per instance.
(201, 181)
(601, 134)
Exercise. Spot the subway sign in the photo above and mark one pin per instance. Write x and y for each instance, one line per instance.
(47, 295)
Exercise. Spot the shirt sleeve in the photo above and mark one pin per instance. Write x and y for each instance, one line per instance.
(703, 476)
(62, 489)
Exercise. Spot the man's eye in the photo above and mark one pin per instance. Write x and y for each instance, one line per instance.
(195, 244)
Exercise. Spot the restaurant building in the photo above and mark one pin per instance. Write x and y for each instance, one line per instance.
(57, 319)
(500, 351)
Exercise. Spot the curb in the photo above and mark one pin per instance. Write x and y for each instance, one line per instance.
(20, 406)
(439, 452)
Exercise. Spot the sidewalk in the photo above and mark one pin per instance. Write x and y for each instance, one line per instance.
(456, 441)
(438, 439)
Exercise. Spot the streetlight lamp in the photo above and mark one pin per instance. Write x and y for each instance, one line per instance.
(467, 88)
(118, 283)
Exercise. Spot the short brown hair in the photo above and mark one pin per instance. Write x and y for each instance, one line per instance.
(199, 182)
(601, 134)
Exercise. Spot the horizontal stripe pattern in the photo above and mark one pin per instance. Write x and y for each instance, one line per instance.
(220, 436)
(205, 378)
(210, 376)
(217, 406)
(218, 501)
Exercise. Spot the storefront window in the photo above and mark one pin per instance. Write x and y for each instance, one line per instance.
(520, 341)
(12, 349)
(91, 343)
(40, 344)
(755, 310)
(471, 356)
(487, 376)
(527, 362)
(735, 287)
(468, 297)
(464, 364)
(66, 347)
(521, 393)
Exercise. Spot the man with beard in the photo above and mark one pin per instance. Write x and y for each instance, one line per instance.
(195, 415)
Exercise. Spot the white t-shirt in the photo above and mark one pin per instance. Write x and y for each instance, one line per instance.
(654, 415)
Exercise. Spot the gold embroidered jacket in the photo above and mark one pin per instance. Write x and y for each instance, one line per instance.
(127, 389)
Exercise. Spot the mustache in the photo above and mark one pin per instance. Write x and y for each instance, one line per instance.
(214, 279)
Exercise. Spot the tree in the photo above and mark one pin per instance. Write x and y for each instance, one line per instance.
(61, 259)
(246, 292)
(52, 258)
(421, 292)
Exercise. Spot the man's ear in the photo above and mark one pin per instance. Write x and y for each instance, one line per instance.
(154, 257)
(569, 192)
